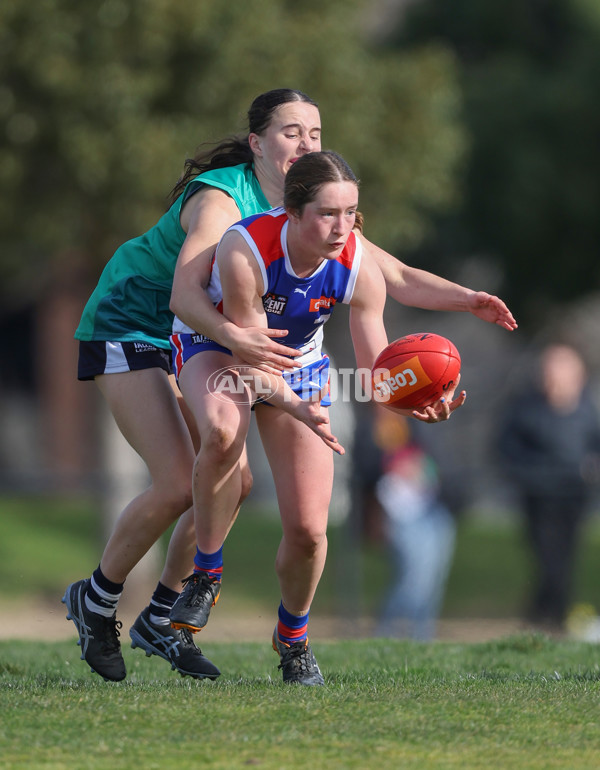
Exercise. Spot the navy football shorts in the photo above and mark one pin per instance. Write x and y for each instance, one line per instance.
(99, 357)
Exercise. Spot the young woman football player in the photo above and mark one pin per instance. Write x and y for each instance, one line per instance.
(124, 347)
(284, 269)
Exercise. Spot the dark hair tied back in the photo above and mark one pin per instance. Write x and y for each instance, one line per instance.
(236, 149)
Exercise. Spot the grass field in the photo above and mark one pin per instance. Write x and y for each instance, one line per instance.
(46, 543)
(521, 702)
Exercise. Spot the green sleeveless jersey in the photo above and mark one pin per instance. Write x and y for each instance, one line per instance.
(131, 301)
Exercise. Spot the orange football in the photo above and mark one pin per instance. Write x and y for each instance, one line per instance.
(415, 371)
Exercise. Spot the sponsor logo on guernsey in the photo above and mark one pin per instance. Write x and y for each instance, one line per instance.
(300, 291)
(274, 303)
(401, 380)
(323, 303)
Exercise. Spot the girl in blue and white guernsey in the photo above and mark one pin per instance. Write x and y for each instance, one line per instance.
(299, 305)
(286, 268)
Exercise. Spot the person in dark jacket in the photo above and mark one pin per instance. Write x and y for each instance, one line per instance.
(549, 445)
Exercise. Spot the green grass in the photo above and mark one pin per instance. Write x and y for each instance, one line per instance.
(492, 573)
(522, 702)
(45, 536)
(45, 543)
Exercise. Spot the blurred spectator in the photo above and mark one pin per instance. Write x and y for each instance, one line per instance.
(418, 527)
(549, 444)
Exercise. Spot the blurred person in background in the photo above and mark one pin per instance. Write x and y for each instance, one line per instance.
(549, 446)
(418, 529)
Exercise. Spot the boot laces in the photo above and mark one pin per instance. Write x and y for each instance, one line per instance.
(203, 589)
(298, 655)
(112, 627)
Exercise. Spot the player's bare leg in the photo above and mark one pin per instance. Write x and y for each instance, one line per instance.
(152, 631)
(302, 467)
(147, 413)
(221, 479)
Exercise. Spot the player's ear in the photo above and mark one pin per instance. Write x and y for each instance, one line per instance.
(254, 142)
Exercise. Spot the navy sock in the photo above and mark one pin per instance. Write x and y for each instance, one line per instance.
(102, 595)
(161, 603)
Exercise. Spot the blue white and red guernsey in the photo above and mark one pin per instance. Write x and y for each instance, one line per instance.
(300, 305)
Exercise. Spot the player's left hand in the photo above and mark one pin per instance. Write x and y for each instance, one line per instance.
(491, 309)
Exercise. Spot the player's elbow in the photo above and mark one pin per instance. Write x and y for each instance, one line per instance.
(176, 303)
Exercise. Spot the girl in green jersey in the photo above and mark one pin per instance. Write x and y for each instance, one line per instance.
(124, 340)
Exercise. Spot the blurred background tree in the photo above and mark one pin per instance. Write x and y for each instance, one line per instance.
(102, 102)
(529, 72)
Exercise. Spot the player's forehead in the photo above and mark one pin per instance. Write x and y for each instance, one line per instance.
(336, 195)
(301, 114)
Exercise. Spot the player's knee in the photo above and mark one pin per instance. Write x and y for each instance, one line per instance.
(222, 446)
(307, 539)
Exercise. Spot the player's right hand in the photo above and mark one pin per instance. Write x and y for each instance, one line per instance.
(312, 414)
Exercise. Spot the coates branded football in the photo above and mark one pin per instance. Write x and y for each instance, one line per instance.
(415, 371)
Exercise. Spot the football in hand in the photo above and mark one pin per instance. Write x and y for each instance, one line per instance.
(415, 371)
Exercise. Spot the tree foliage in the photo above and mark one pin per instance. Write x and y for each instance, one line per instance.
(529, 72)
(102, 101)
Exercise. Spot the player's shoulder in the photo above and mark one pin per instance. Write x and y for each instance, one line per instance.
(265, 221)
(264, 229)
(351, 254)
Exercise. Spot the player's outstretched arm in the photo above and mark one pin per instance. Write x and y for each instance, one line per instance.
(418, 288)
(369, 338)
